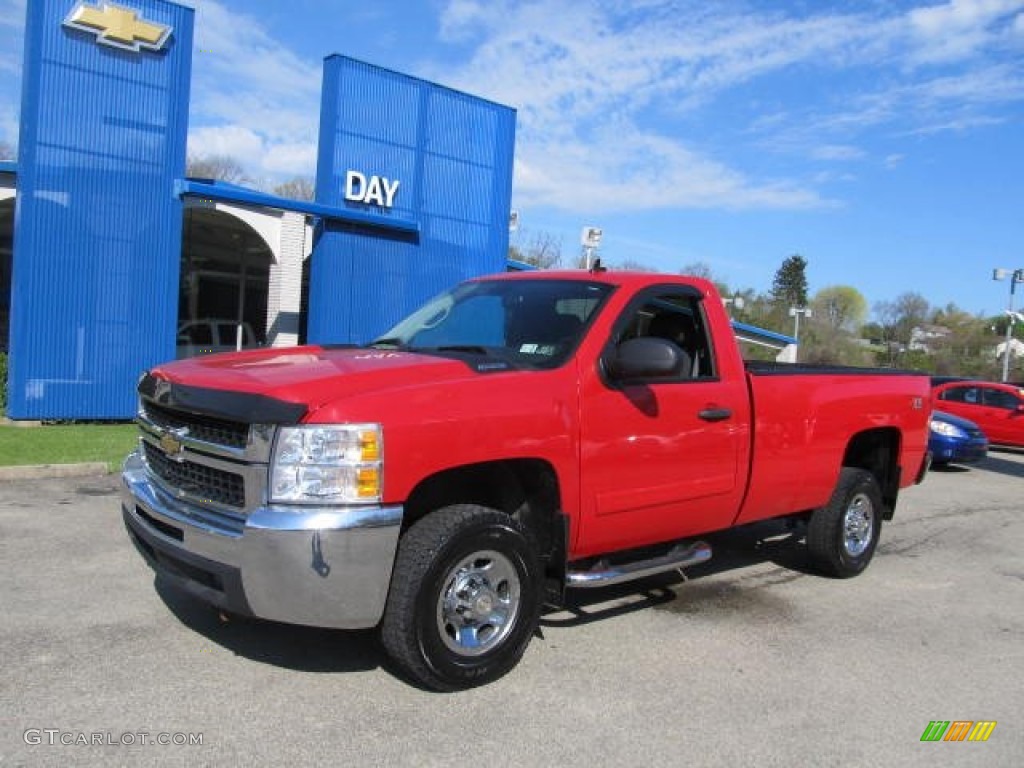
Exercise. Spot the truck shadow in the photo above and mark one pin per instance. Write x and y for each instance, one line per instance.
(738, 551)
(994, 463)
(305, 649)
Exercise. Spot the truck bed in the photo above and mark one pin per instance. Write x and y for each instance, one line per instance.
(803, 420)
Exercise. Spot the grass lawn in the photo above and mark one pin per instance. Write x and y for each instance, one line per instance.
(67, 444)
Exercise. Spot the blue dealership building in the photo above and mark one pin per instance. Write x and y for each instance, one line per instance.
(111, 260)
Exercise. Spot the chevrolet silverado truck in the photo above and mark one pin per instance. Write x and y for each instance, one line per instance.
(518, 436)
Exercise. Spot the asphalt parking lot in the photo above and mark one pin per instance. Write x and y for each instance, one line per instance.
(753, 661)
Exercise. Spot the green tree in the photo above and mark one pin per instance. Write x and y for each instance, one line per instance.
(842, 307)
(823, 344)
(968, 350)
(897, 319)
(789, 288)
(829, 335)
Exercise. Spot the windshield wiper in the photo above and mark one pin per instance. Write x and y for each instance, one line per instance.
(392, 341)
(475, 349)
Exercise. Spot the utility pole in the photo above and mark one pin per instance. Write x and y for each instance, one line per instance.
(1016, 276)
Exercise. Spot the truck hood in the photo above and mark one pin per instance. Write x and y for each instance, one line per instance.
(310, 376)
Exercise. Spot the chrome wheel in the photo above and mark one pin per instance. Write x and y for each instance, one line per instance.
(465, 597)
(858, 525)
(842, 535)
(478, 604)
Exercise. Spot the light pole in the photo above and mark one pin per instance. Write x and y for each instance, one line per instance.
(590, 240)
(1016, 276)
(795, 313)
(736, 301)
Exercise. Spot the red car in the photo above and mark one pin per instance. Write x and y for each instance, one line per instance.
(997, 408)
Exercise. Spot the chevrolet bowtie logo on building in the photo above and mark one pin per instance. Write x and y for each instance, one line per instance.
(117, 26)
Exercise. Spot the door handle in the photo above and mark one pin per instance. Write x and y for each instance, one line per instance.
(715, 414)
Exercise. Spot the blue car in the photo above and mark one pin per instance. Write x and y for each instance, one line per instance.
(955, 439)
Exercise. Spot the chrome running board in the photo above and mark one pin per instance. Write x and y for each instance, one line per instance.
(602, 574)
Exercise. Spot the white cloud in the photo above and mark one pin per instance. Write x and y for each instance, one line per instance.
(10, 64)
(606, 79)
(893, 161)
(252, 98)
(236, 141)
(461, 19)
(287, 160)
(836, 152)
(12, 13)
(623, 169)
(9, 125)
(960, 28)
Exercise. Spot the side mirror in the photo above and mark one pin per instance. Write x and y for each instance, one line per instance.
(645, 358)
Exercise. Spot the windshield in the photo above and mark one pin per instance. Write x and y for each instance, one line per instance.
(530, 322)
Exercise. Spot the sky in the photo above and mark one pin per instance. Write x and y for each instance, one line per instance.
(883, 141)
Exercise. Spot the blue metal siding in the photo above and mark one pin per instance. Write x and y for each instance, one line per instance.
(97, 224)
(452, 155)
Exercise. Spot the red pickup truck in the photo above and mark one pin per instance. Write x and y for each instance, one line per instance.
(518, 436)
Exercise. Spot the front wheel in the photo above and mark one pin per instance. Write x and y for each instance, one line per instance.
(464, 600)
(842, 535)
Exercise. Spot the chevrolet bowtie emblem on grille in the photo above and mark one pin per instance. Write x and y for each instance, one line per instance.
(118, 26)
(171, 445)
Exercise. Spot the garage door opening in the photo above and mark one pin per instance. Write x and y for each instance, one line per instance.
(225, 269)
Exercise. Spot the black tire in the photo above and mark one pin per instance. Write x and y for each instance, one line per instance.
(464, 600)
(842, 535)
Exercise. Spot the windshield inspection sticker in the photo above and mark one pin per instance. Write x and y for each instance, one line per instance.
(537, 349)
(378, 355)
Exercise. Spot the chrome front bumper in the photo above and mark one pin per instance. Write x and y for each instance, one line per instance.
(320, 566)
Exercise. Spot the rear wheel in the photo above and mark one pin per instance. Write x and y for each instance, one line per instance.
(464, 600)
(842, 535)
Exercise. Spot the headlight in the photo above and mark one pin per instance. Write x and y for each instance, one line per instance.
(327, 463)
(947, 430)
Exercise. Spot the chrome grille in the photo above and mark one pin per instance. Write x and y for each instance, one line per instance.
(207, 484)
(205, 428)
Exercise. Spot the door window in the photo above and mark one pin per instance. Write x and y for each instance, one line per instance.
(997, 398)
(969, 395)
(676, 317)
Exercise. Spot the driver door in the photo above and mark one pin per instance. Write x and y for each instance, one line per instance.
(664, 458)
